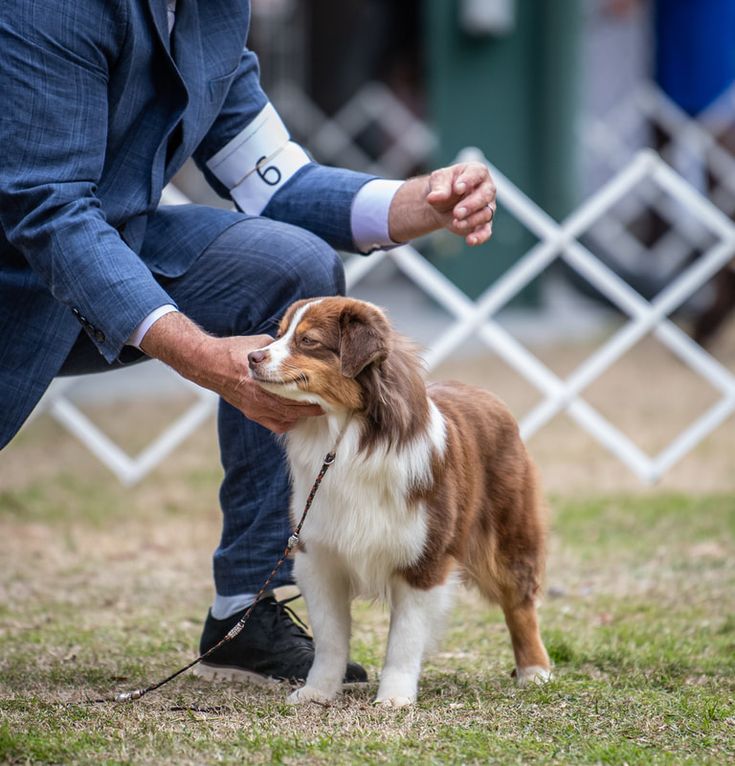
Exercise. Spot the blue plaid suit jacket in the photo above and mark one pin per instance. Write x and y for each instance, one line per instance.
(90, 98)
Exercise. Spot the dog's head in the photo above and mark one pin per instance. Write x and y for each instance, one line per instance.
(322, 348)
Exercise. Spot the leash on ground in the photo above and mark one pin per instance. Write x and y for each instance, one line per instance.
(293, 541)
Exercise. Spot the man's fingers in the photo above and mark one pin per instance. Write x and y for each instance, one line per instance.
(471, 175)
(480, 218)
(472, 215)
(480, 199)
(277, 423)
(280, 404)
(277, 426)
(287, 408)
(440, 185)
(303, 410)
(480, 236)
(470, 184)
(275, 412)
(258, 341)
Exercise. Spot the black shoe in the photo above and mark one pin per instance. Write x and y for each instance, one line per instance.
(271, 647)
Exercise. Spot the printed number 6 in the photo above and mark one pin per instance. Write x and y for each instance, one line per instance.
(270, 175)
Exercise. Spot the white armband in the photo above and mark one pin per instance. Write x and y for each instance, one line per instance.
(258, 161)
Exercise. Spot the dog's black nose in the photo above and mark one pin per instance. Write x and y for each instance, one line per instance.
(256, 357)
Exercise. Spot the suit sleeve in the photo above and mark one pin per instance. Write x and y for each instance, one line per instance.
(315, 197)
(53, 77)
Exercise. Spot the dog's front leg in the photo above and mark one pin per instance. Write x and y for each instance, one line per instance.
(414, 621)
(326, 590)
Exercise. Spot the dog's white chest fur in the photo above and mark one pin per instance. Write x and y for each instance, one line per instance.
(361, 512)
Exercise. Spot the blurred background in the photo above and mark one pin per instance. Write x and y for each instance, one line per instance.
(561, 99)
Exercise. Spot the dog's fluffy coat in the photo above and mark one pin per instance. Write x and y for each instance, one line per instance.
(429, 485)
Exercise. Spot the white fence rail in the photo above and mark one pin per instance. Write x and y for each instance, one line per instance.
(689, 145)
(556, 240)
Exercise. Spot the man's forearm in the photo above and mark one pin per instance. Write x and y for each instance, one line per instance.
(181, 344)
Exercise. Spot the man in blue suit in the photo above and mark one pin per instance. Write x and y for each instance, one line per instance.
(102, 102)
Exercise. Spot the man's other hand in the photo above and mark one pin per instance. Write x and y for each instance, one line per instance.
(460, 198)
(221, 365)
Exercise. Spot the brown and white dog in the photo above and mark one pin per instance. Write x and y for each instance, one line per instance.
(429, 486)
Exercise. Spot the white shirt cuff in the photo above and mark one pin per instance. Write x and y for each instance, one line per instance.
(140, 331)
(370, 210)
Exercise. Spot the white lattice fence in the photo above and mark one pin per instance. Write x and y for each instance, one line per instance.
(561, 240)
(476, 318)
(129, 469)
(690, 145)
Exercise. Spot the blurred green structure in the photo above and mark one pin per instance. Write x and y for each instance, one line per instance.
(513, 95)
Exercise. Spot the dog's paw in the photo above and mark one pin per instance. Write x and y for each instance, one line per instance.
(394, 702)
(533, 674)
(309, 694)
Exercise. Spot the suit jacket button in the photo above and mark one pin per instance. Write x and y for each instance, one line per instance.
(99, 336)
(75, 311)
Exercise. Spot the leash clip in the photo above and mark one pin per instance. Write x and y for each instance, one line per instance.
(329, 459)
(129, 696)
(293, 541)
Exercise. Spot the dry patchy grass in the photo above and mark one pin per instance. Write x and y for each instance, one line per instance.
(107, 590)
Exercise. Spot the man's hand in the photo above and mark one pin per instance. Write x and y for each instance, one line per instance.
(460, 198)
(221, 365)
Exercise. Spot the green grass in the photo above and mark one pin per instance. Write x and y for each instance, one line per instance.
(103, 589)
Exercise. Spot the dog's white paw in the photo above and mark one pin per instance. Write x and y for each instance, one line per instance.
(308, 694)
(394, 702)
(533, 674)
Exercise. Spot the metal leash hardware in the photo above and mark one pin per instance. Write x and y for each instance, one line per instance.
(235, 631)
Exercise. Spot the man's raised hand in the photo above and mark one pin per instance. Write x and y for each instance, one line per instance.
(459, 198)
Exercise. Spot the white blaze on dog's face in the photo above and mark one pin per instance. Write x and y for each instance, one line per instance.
(321, 347)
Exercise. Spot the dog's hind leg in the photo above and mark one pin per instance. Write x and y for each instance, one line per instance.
(326, 589)
(416, 618)
(532, 661)
(515, 586)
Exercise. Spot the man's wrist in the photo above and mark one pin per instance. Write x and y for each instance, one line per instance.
(178, 342)
(136, 338)
(410, 215)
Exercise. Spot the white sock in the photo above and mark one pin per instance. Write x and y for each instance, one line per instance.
(225, 606)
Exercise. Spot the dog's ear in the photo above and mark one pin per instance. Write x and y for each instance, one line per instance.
(364, 334)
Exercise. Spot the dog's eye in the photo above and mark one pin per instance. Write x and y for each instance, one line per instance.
(306, 340)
